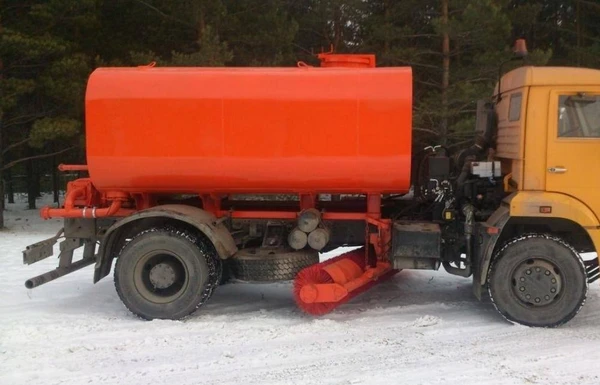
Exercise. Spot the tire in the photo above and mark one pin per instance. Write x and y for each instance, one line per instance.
(165, 273)
(537, 280)
(268, 265)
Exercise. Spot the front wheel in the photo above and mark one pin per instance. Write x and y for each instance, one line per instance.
(166, 273)
(538, 280)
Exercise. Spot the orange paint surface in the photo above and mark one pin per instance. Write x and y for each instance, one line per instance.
(250, 130)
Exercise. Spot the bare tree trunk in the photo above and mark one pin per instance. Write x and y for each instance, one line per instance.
(445, 72)
(55, 180)
(386, 44)
(1, 163)
(31, 193)
(37, 176)
(337, 28)
(201, 25)
(1, 147)
(1, 198)
(578, 32)
(9, 186)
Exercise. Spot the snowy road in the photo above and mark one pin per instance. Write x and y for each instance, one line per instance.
(418, 328)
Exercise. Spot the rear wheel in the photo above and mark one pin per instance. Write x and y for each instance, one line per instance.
(166, 273)
(538, 280)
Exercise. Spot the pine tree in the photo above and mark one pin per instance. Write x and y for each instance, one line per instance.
(192, 34)
(260, 33)
(328, 24)
(569, 29)
(476, 46)
(43, 77)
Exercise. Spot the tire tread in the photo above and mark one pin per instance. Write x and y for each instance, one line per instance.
(501, 253)
(211, 258)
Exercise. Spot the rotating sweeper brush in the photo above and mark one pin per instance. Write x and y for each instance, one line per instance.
(320, 288)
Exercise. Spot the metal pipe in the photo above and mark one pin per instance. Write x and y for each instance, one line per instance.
(308, 220)
(239, 214)
(318, 239)
(72, 195)
(58, 272)
(72, 167)
(85, 212)
(297, 239)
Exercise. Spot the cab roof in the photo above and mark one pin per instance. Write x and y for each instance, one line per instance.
(548, 76)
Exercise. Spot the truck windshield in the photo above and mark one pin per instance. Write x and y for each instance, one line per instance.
(579, 116)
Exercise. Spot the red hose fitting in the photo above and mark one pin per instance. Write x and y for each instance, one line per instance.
(72, 195)
(86, 212)
(83, 190)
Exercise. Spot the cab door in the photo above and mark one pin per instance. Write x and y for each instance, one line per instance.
(573, 156)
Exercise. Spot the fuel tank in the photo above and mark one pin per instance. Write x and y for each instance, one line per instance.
(249, 130)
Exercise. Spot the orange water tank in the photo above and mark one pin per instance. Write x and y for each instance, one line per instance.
(249, 130)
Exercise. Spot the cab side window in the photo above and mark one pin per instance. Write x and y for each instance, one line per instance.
(579, 116)
(514, 109)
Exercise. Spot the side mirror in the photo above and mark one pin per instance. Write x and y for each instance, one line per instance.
(486, 122)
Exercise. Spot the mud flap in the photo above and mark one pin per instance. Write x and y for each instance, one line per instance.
(483, 244)
(487, 236)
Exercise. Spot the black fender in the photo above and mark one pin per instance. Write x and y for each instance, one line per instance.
(489, 233)
(202, 220)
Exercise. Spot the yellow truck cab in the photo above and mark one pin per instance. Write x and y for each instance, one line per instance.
(547, 139)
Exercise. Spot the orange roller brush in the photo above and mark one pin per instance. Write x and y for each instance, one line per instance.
(320, 288)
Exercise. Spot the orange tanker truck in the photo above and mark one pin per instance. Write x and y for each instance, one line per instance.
(197, 174)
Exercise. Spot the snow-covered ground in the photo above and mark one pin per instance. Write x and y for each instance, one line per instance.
(418, 328)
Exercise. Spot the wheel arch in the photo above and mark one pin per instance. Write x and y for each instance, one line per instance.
(519, 213)
(192, 218)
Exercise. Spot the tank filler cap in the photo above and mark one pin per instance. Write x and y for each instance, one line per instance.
(347, 60)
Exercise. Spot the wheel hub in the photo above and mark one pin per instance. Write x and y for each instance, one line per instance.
(537, 282)
(162, 275)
